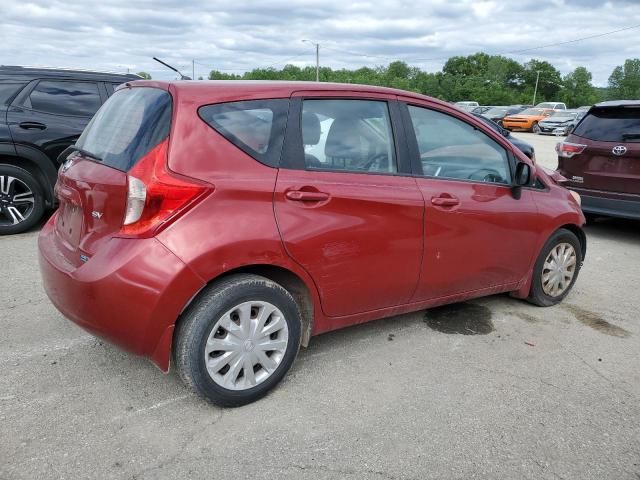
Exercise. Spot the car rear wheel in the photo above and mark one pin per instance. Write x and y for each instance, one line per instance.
(237, 340)
(21, 200)
(535, 128)
(556, 269)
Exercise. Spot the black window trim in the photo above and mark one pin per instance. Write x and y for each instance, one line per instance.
(416, 165)
(21, 98)
(293, 150)
(241, 145)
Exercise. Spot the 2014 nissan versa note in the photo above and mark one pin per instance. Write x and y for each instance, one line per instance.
(220, 225)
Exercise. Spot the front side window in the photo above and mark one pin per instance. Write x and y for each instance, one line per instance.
(450, 148)
(255, 126)
(348, 135)
(65, 98)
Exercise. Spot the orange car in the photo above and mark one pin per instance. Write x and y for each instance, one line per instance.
(526, 120)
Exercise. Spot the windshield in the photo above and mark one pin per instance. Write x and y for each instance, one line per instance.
(128, 126)
(611, 125)
(495, 111)
(567, 115)
(532, 111)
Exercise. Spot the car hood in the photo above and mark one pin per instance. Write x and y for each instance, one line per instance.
(554, 175)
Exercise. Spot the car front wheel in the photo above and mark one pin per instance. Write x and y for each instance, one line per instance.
(556, 269)
(21, 200)
(535, 128)
(238, 339)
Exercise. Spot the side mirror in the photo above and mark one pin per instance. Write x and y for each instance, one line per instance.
(521, 178)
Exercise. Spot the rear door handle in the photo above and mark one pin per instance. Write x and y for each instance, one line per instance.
(304, 196)
(32, 125)
(445, 201)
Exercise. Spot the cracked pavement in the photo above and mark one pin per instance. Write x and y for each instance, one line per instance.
(545, 394)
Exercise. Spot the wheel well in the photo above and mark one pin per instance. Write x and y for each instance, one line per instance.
(33, 169)
(290, 282)
(578, 232)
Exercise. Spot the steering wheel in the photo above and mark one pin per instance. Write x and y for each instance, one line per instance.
(486, 175)
(377, 159)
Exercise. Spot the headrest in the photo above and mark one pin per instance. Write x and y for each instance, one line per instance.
(343, 139)
(310, 128)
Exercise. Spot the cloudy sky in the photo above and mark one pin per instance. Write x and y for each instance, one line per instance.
(238, 35)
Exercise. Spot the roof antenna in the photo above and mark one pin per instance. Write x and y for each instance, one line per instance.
(182, 77)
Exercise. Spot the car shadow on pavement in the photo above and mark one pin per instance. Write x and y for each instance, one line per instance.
(618, 229)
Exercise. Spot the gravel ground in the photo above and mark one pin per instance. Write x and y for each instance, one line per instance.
(536, 394)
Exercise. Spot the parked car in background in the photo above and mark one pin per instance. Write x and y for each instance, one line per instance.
(523, 146)
(601, 159)
(526, 120)
(560, 122)
(496, 114)
(467, 106)
(203, 229)
(481, 109)
(552, 105)
(42, 112)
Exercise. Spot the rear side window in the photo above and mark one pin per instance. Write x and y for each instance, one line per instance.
(8, 91)
(65, 98)
(128, 126)
(255, 126)
(611, 125)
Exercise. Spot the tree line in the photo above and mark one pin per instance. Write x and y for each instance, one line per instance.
(487, 79)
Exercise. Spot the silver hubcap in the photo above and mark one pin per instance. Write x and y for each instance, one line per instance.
(558, 269)
(16, 200)
(246, 345)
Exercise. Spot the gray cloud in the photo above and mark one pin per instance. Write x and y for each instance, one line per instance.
(240, 35)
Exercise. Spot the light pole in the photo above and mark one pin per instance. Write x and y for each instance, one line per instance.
(535, 90)
(317, 45)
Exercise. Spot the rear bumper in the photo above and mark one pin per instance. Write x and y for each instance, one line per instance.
(129, 293)
(609, 204)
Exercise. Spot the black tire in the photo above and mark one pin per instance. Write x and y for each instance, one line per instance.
(195, 326)
(537, 294)
(33, 214)
(535, 128)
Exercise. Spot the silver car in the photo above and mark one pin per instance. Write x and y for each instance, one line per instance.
(560, 122)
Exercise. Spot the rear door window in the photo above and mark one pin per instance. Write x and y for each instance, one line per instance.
(128, 126)
(255, 126)
(348, 135)
(65, 98)
(8, 91)
(611, 125)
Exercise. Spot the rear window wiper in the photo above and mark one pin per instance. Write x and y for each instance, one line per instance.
(628, 136)
(81, 151)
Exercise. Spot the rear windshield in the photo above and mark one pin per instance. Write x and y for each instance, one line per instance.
(128, 126)
(255, 126)
(611, 125)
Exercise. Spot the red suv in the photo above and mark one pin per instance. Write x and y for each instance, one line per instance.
(601, 159)
(222, 224)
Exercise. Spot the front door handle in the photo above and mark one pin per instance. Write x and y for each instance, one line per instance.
(32, 125)
(305, 196)
(445, 201)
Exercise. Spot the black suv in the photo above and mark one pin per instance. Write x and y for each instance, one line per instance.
(42, 112)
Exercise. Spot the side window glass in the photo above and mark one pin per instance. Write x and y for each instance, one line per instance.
(348, 135)
(65, 98)
(451, 148)
(254, 126)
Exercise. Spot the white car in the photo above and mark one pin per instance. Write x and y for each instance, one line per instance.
(553, 105)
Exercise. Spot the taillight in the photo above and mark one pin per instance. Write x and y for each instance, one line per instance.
(568, 149)
(155, 196)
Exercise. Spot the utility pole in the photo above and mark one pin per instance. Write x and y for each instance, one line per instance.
(535, 90)
(193, 69)
(317, 45)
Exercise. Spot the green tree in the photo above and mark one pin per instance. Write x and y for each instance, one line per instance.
(624, 82)
(578, 89)
(144, 75)
(549, 83)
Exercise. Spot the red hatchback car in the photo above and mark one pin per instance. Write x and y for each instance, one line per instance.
(222, 224)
